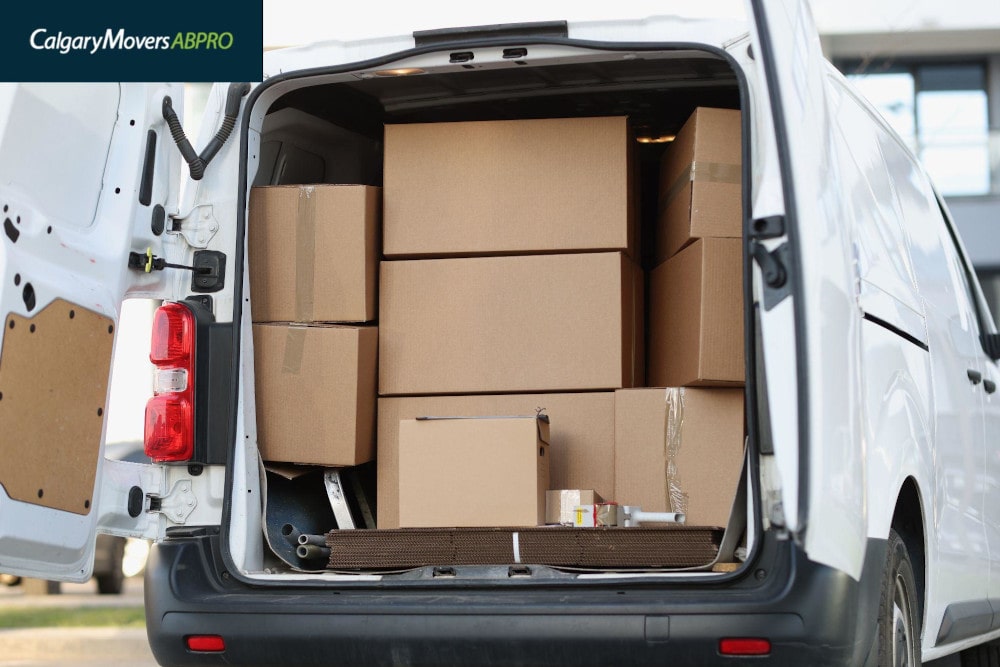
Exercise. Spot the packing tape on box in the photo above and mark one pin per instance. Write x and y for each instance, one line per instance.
(305, 253)
(672, 444)
(295, 343)
(706, 172)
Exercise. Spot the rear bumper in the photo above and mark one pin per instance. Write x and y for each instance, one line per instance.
(811, 614)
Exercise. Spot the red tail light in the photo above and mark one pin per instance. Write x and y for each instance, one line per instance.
(169, 433)
(744, 646)
(206, 643)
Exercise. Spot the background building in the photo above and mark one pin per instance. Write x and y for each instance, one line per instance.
(933, 70)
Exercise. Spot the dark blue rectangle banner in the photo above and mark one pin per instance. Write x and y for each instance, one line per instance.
(173, 40)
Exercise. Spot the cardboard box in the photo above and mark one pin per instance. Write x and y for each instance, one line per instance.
(313, 253)
(473, 472)
(581, 437)
(701, 182)
(315, 390)
(696, 317)
(684, 445)
(510, 324)
(561, 503)
(508, 187)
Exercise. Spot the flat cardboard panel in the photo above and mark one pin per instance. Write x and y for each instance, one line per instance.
(707, 452)
(659, 547)
(509, 324)
(313, 253)
(700, 182)
(696, 316)
(473, 472)
(581, 432)
(315, 393)
(54, 370)
(508, 187)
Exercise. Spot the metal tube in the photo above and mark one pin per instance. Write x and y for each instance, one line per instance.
(311, 552)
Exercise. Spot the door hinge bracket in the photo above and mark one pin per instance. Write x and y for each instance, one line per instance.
(774, 268)
(176, 505)
(197, 227)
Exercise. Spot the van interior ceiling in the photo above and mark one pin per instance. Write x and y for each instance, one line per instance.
(332, 132)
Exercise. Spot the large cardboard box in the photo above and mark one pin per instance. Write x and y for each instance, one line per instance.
(696, 316)
(315, 393)
(508, 187)
(679, 450)
(473, 472)
(581, 437)
(510, 324)
(314, 253)
(701, 182)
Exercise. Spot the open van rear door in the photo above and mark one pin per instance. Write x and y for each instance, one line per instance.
(819, 458)
(88, 175)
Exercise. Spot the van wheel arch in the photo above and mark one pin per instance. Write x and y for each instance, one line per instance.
(908, 522)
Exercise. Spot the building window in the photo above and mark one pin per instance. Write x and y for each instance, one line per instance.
(940, 110)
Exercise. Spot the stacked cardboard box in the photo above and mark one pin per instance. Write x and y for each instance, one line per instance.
(679, 450)
(511, 246)
(509, 286)
(696, 287)
(582, 430)
(313, 253)
(468, 472)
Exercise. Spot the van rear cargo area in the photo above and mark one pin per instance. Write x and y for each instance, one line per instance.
(556, 241)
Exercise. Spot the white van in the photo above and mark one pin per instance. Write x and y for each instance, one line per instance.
(866, 526)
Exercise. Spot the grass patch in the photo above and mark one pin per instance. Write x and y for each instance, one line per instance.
(78, 617)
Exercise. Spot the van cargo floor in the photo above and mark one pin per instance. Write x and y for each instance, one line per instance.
(674, 547)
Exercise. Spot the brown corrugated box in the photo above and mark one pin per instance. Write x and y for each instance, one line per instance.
(315, 390)
(313, 253)
(510, 324)
(696, 316)
(700, 182)
(473, 472)
(508, 187)
(698, 431)
(582, 434)
(560, 503)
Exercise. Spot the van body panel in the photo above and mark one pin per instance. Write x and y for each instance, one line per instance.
(832, 505)
(76, 201)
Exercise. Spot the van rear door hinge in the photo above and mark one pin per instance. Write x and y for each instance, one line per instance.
(774, 264)
(197, 227)
(176, 505)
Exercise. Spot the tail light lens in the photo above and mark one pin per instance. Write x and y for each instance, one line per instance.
(206, 643)
(169, 433)
(741, 646)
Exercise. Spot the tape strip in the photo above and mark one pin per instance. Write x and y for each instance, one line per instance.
(706, 172)
(305, 254)
(295, 343)
(676, 498)
(517, 547)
